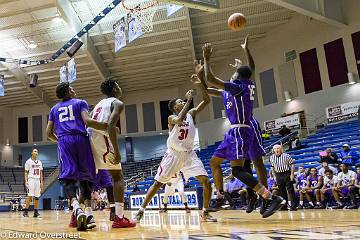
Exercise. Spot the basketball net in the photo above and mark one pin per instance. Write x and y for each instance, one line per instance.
(143, 11)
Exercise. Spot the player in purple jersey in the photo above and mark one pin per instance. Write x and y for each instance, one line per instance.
(238, 95)
(301, 186)
(68, 119)
(314, 183)
(355, 190)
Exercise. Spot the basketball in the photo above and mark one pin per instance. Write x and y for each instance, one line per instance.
(236, 21)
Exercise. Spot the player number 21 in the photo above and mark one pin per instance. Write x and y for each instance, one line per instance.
(183, 134)
(66, 114)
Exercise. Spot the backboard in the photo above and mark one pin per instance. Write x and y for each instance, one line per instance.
(205, 5)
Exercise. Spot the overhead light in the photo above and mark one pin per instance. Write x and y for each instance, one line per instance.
(57, 18)
(223, 113)
(351, 78)
(287, 96)
(32, 45)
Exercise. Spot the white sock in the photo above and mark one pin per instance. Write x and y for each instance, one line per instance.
(301, 203)
(75, 204)
(112, 205)
(317, 203)
(311, 203)
(88, 211)
(119, 209)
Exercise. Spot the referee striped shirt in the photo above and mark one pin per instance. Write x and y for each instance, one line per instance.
(281, 163)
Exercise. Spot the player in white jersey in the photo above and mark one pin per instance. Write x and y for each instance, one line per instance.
(105, 146)
(180, 155)
(176, 183)
(33, 182)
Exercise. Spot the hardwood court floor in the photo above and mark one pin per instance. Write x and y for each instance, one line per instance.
(305, 224)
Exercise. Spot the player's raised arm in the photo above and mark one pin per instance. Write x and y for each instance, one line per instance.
(199, 80)
(50, 131)
(248, 55)
(117, 108)
(209, 75)
(176, 119)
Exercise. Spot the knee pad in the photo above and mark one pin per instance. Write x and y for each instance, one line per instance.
(86, 189)
(110, 194)
(244, 176)
(70, 189)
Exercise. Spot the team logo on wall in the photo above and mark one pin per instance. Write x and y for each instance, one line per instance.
(334, 111)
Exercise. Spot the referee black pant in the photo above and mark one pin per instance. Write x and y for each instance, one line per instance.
(286, 186)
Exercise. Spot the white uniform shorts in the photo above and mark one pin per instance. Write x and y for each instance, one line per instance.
(34, 187)
(174, 161)
(102, 151)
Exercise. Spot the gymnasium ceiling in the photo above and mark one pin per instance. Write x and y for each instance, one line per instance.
(159, 59)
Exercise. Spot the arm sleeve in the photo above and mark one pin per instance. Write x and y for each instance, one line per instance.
(84, 107)
(27, 166)
(51, 115)
(233, 88)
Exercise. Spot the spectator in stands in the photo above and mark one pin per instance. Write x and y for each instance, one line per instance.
(265, 135)
(295, 144)
(234, 188)
(348, 156)
(283, 167)
(326, 166)
(314, 183)
(284, 131)
(136, 188)
(326, 192)
(355, 190)
(346, 179)
(329, 156)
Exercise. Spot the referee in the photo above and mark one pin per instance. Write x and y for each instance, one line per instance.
(283, 167)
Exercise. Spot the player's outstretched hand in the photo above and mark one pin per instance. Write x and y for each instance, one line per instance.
(198, 66)
(189, 95)
(195, 79)
(207, 51)
(237, 63)
(245, 44)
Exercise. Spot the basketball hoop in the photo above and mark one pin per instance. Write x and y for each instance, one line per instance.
(143, 11)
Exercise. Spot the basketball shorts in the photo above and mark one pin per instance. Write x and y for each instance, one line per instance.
(76, 158)
(193, 166)
(171, 164)
(103, 180)
(240, 143)
(34, 187)
(103, 151)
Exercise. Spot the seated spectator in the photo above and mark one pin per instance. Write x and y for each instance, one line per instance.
(136, 188)
(326, 192)
(284, 131)
(313, 185)
(329, 156)
(355, 190)
(346, 179)
(265, 135)
(295, 144)
(326, 166)
(234, 188)
(348, 156)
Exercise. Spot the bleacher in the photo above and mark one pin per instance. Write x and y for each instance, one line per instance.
(332, 136)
